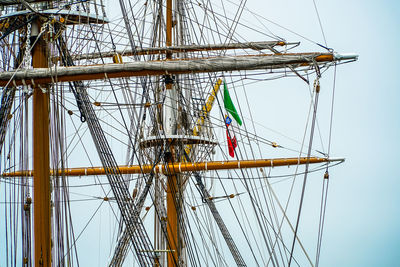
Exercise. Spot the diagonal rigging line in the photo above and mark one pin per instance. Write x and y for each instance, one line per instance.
(287, 219)
(130, 215)
(120, 190)
(7, 100)
(320, 23)
(325, 191)
(123, 244)
(123, 241)
(221, 225)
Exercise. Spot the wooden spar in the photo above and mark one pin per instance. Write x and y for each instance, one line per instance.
(41, 163)
(183, 48)
(179, 167)
(129, 69)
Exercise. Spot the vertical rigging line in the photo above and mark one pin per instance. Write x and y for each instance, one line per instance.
(262, 222)
(325, 196)
(256, 194)
(120, 190)
(316, 87)
(322, 218)
(203, 37)
(255, 132)
(287, 219)
(297, 166)
(246, 185)
(14, 211)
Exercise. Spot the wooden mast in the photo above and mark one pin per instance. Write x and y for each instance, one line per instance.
(41, 162)
(172, 179)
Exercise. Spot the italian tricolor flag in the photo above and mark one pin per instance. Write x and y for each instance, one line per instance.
(230, 108)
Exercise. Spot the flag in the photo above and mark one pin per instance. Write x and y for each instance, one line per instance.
(230, 135)
(229, 105)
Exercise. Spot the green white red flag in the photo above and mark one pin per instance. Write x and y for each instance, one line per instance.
(230, 136)
(230, 108)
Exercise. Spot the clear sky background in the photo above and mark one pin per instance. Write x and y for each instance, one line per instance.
(363, 216)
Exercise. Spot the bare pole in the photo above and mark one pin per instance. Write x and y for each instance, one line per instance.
(179, 167)
(184, 48)
(41, 162)
(169, 126)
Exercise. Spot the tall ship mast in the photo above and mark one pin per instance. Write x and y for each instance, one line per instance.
(128, 136)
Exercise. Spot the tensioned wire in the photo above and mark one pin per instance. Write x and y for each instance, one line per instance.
(225, 191)
(236, 190)
(15, 246)
(320, 23)
(325, 184)
(257, 197)
(283, 27)
(89, 160)
(255, 137)
(315, 105)
(13, 190)
(123, 118)
(260, 153)
(76, 133)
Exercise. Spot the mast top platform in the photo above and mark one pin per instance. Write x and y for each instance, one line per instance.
(14, 2)
(174, 140)
(71, 16)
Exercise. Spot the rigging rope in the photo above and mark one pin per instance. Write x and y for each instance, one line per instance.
(317, 89)
(325, 180)
(222, 227)
(320, 24)
(138, 235)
